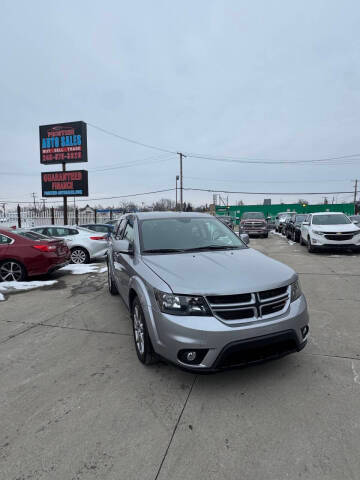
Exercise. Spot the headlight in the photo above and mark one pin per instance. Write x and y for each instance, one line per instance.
(295, 290)
(181, 304)
(317, 232)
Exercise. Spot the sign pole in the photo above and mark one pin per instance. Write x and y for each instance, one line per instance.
(65, 200)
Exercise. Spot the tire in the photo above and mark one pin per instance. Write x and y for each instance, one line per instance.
(310, 247)
(266, 235)
(301, 241)
(12, 271)
(111, 284)
(144, 349)
(79, 256)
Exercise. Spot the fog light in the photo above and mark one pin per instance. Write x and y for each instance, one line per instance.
(305, 331)
(190, 356)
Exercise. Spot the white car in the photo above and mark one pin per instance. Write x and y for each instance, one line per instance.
(85, 245)
(329, 230)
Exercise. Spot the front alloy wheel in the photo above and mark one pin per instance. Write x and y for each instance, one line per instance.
(11, 271)
(310, 247)
(143, 347)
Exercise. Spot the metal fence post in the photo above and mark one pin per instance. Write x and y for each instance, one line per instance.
(52, 216)
(19, 216)
(95, 216)
(111, 214)
(77, 216)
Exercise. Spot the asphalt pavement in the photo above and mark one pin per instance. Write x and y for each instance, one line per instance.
(75, 403)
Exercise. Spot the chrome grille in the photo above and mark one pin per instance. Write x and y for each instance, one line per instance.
(250, 307)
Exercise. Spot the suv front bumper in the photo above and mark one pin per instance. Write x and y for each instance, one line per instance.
(172, 334)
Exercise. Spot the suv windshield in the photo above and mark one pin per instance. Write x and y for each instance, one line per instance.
(259, 215)
(330, 219)
(300, 218)
(166, 235)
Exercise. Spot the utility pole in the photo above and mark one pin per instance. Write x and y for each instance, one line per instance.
(181, 180)
(355, 192)
(176, 201)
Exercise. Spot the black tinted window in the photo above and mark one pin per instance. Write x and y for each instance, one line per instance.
(258, 215)
(4, 240)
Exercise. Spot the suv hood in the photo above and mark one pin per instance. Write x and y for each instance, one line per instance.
(348, 227)
(222, 272)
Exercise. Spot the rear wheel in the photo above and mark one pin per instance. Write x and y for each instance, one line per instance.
(79, 255)
(111, 284)
(12, 271)
(301, 241)
(143, 347)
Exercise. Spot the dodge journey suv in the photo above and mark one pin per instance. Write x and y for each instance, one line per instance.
(199, 297)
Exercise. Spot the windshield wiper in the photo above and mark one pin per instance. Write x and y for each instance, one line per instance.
(214, 247)
(164, 250)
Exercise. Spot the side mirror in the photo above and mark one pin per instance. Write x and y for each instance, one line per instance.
(305, 223)
(124, 247)
(245, 238)
(355, 222)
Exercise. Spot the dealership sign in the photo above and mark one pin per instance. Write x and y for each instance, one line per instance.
(63, 143)
(65, 184)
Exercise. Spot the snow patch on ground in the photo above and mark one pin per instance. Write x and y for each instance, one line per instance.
(84, 268)
(290, 242)
(12, 286)
(2, 298)
(274, 232)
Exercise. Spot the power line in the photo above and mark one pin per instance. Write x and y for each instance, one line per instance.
(255, 161)
(107, 198)
(211, 190)
(126, 139)
(267, 181)
(225, 158)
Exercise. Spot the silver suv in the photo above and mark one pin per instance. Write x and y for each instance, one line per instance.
(199, 297)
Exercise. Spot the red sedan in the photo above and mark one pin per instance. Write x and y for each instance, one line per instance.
(24, 254)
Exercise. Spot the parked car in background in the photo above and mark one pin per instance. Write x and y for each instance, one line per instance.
(280, 220)
(254, 223)
(112, 222)
(227, 220)
(270, 223)
(84, 244)
(24, 254)
(199, 297)
(284, 226)
(329, 230)
(355, 219)
(99, 227)
(293, 226)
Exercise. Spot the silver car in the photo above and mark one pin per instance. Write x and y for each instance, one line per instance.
(85, 245)
(199, 297)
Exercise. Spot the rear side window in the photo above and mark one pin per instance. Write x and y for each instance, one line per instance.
(4, 240)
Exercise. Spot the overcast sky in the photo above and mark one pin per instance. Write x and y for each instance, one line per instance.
(273, 80)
